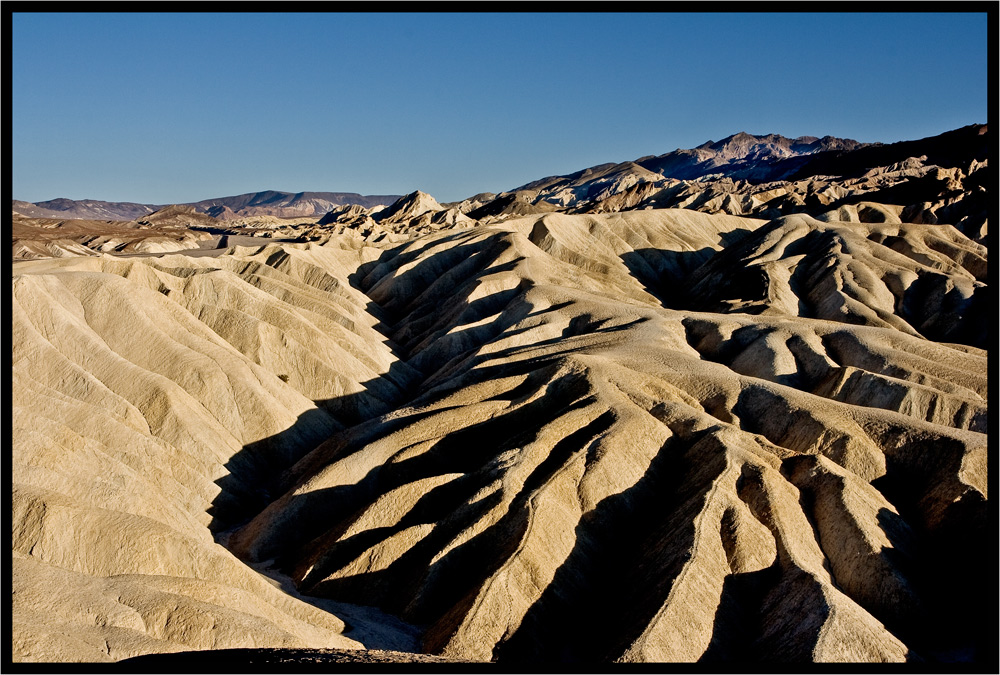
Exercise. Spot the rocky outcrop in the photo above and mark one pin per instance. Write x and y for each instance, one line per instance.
(408, 207)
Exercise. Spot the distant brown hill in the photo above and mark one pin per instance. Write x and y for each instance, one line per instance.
(287, 204)
(83, 209)
(173, 228)
(266, 203)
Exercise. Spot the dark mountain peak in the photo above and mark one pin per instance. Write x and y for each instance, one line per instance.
(177, 215)
(745, 159)
(743, 145)
(741, 155)
(173, 209)
(58, 204)
(740, 138)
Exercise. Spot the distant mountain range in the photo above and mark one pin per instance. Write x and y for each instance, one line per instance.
(266, 203)
(647, 182)
(940, 179)
(771, 157)
(741, 155)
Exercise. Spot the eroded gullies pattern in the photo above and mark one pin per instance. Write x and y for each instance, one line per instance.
(551, 438)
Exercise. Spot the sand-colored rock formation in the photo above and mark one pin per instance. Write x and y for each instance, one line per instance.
(593, 458)
(139, 386)
(408, 207)
(654, 435)
(919, 279)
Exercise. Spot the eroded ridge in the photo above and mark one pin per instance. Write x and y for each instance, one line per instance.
(543, 440)
(595, 459)
(155, 400)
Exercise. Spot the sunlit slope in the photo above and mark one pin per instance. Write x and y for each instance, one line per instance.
(152, 399)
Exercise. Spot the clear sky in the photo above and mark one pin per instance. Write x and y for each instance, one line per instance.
(166, 108)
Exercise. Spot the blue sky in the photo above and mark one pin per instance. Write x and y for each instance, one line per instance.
(165, 108)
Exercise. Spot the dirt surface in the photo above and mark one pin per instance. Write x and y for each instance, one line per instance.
(239, 660)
